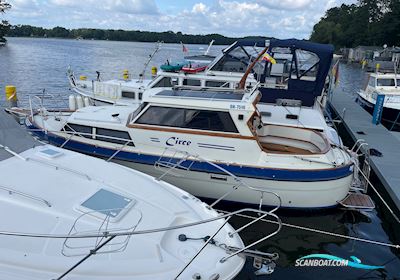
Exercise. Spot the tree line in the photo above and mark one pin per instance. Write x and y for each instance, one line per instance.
(118, 35)
(4, 25)
(367, 22)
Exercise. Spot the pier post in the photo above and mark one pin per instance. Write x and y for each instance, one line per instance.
(11, 96)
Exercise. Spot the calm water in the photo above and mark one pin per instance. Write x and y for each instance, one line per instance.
(36, 64)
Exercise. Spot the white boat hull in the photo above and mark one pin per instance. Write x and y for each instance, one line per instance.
(293, 194)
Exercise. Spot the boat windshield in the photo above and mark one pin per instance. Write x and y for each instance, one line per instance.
(137, 111)
(371, 81)
(238, 59)
(385, 83)
(307, 65)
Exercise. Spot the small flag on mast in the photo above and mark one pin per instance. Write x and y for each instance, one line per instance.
(268, 57)
(335, 73)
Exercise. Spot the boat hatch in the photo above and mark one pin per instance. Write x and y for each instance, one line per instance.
(201, 94)
(50, 153)
(107, 203)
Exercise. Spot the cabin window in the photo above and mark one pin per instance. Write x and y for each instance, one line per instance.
(81, 130)
(385, 83)
(371, 81)
(140, 95)
(217, 84)
(164, 82)
(188, 118)
(128, 94)
(113, 136)
(191, 82)
(398, 82)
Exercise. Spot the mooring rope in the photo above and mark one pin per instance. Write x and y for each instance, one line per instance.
(318, 231)
(377, 193)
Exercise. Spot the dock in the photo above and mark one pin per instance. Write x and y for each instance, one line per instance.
(358, 124)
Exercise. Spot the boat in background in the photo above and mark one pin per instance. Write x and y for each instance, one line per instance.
(205, 58)
(79, 217)
(193, 68)
(173, 66)
(293, 96)
(110, 92)
(387, 84)
(311, 63)
(225, 71)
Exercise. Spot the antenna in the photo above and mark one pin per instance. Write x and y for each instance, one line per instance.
(209, 47)
(157, 48)
(396, 60)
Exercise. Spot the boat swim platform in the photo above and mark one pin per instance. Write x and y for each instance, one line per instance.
(358, 124)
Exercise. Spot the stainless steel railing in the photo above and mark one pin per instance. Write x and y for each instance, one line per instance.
(12, 191)
(176, 158)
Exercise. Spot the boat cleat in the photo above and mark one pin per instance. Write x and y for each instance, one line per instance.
(263, 268)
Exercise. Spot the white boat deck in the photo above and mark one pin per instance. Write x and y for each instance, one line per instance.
(104, 114)
(49, 190)
(278, 115)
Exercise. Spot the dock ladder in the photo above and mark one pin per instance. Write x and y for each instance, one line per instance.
(357, 198)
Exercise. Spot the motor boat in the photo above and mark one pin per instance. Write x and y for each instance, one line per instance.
(209, 139)
(387, 84)
(205, 58)
(224, 71)
(293, 89)
(71, 216)
(308, 61)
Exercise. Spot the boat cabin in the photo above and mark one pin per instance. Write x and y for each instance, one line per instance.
(384, 82)
(299, 72)
(227, 114)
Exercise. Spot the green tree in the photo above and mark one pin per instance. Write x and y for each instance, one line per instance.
(389, 26)
(58, 32)
(4, 25)
(369, 22)
(120, 35)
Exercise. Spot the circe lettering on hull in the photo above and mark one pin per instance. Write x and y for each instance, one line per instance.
(172, 141)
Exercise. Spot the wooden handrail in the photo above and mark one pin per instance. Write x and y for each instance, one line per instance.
(242, 82)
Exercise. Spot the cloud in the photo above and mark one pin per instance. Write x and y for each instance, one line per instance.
(277, 18)
(123, 6)
(132, 6)
(286, 4)
(200, 8)
(24, 4)
(65, 3)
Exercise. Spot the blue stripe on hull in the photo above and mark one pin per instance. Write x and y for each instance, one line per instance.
(240, 171)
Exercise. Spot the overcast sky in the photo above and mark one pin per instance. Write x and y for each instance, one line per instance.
(277, 18)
